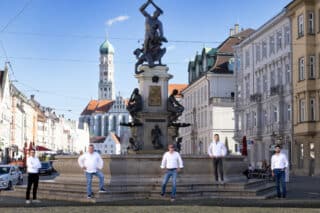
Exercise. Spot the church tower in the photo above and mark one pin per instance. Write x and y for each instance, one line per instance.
(106, 79)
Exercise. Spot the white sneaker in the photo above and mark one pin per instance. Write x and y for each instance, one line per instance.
(36, 201)
(28, 201)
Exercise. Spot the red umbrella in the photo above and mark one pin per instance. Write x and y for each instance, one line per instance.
(244, 151)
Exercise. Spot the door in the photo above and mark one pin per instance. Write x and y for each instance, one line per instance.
(312, 159)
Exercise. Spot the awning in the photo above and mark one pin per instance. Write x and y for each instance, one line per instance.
(42, 148)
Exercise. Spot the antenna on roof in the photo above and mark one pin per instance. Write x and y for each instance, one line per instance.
(107, 33)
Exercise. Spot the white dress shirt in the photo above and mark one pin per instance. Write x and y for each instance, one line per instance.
(217, 149)
(92, 162)
(279, 161)
(33, 165)
(171, 161)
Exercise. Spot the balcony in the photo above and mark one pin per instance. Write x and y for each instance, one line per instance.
(256, 98)
(276, 90)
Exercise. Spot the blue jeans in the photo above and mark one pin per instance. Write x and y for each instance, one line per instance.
(280, 179)
(89, 176)
(169, 173)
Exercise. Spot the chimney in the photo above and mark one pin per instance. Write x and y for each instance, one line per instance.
(236, 28)
(32, 97)
(231, 32)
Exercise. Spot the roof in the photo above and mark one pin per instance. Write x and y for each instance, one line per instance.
(115, 137)
(225, 52)
(98, 106)
(179, 87)
(97, 139)
(106, 48)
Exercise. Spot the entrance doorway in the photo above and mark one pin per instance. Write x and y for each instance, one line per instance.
(312, 160)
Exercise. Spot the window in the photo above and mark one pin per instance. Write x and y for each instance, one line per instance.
(300, 156)
(265, 116)
(300, 26)
(247, 62)
(264, 49)
(272, 82)
(319, 20)
(258, 52)
(302, 110)
(248, 120)
(289, 112)
(301, 69)
(114, 124)
(258, 84)
(275, 114)
(312, 67)
(288, 74)
(271, 45)
(279, 40)
(265, 82)
(254, 118)
(280, 76)
(311, 23)
(286, 36)
(312, 110)
(247, 88)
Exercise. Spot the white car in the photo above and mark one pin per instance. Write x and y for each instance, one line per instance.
(10, 176)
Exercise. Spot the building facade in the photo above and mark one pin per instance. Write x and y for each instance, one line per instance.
(305, 25)
(209, 98)
(109, 145)
(5, 112)
(264, 89)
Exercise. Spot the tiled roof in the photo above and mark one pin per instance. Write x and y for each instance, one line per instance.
(225, 52)
(98, 106)
(97, 139)
(179, 87)
(115, 138)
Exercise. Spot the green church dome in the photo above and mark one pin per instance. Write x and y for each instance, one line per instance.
(106, 48)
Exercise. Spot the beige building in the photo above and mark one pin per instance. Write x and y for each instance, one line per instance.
(305, 25)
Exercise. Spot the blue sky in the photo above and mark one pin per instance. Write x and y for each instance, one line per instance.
(53, 45)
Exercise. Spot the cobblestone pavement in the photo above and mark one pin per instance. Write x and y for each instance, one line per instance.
(303, 192)
(156, 209)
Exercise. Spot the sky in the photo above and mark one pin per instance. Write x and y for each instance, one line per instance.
(53, 45)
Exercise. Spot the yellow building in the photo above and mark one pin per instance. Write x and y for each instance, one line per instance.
(305, 25)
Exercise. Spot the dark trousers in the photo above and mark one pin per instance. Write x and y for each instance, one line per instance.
(33, 178)
(280, 177)
(217, 165)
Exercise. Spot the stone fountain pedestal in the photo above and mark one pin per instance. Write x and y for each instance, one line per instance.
(153, 87)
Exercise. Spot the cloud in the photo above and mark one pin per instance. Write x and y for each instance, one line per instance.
(110, 22)
(171, 47)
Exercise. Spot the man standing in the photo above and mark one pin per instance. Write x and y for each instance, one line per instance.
(279, 163)
(217, 150)
(33, 166)
(172, 162)
(92, 163)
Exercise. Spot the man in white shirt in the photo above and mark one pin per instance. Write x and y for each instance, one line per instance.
(279, 163)
(172, 162)
(33, 166)
(217, 150)
(92, 163)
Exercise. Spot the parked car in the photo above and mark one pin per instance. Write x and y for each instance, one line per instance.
(46, 168)
(10, 176)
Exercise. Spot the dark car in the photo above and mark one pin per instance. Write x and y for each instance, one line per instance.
(46, 168)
